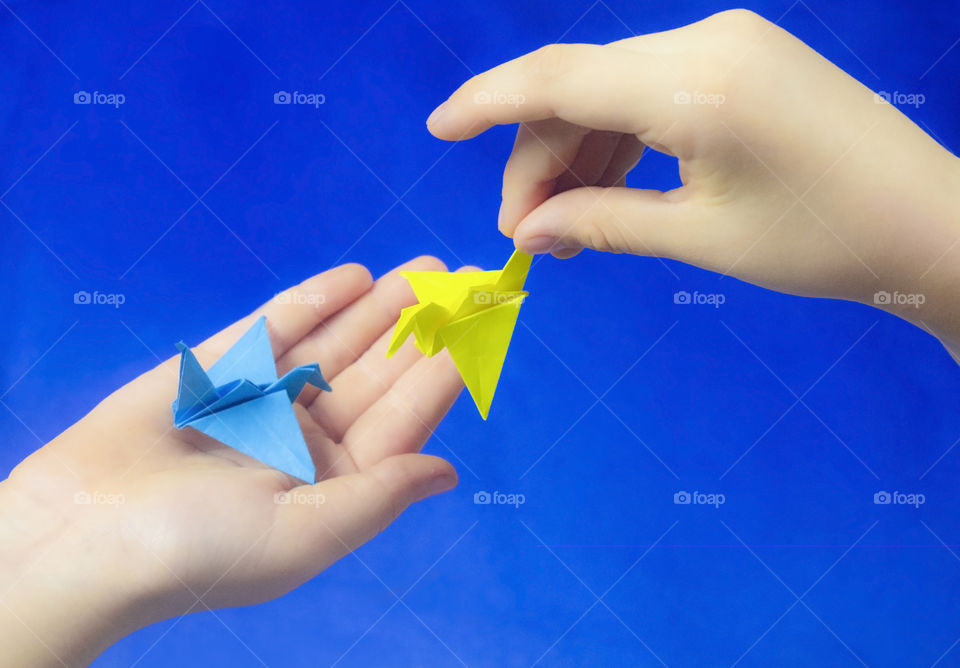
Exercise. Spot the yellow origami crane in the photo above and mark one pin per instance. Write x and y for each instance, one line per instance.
(471, 314)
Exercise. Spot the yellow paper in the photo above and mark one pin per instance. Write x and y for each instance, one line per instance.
(472, 315)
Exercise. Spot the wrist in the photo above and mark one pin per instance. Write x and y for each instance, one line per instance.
(66, 591)
(920, 280)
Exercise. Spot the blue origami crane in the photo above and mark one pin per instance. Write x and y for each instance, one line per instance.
(239, 401)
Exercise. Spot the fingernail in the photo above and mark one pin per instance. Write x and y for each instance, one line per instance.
(541, 244)
(441, 484)
(436, 114)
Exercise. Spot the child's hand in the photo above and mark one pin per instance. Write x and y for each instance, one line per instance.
(124, 520)
(795, 177)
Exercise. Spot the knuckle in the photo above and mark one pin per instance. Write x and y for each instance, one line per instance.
(551, 61)
(598, 235)
(718, 69)
(404, 399)
(387, 510)
(514, 177)
(741, 21)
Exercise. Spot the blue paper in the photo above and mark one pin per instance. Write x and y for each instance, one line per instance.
(239, 401)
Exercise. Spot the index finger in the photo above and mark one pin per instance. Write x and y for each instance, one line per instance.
(298, 310)
(598, 87)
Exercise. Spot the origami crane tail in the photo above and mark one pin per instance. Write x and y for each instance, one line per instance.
(403, 329)
(195, 389)
(514, 273)
(423, 320)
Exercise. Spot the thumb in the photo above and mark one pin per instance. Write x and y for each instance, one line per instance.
(616, 220)
(366, 503)
(354, 508)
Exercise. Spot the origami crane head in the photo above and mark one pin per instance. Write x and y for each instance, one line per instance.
(241, 402)
(471, 314)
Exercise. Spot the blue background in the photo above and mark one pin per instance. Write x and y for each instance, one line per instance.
(613, 398)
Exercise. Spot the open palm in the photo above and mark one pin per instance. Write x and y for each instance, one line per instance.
(201, 525)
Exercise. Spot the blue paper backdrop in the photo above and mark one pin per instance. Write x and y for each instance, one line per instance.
(613, 398)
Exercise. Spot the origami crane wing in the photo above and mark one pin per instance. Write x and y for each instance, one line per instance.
(241, 402)
(478, 345)
(472, 315)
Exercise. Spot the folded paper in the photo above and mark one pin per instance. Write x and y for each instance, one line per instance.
(241, 402)
(472, 315)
